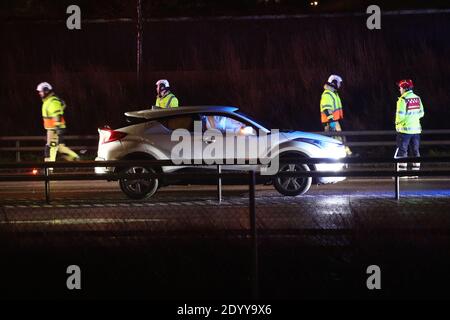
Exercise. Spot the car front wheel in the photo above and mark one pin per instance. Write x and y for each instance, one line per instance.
(138, 188)
(292, 185)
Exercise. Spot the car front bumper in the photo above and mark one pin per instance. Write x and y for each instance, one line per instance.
(333, 167)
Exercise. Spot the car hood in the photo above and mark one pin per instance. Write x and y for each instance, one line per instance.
(292, 135)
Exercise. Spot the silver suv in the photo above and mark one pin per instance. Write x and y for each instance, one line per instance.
(148, 135)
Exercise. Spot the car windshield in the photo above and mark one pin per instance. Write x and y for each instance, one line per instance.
(261, 123)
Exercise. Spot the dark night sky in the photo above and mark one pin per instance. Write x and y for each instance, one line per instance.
(222, 61)
(49, 9)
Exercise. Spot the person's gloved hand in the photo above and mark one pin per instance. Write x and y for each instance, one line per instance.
(332, 125)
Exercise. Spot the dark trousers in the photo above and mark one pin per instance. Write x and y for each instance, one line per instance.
(408, 141)
(405, 143)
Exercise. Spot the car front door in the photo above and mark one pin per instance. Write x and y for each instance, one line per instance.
(238, 140)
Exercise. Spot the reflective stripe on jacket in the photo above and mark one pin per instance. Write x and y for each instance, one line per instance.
(330, 107)
(53, 112)
(409, 112)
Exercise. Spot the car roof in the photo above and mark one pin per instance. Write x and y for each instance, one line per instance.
(159, 113)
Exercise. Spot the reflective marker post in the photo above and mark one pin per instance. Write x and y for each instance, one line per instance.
(254, 232)
(47, 186)
(397, 186)
(397, 178)
(219, 184)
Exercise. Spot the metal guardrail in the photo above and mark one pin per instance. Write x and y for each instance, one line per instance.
(47, 177)
(19, 148)
(368, 133)
(379, 132)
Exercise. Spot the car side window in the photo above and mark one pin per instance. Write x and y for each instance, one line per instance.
(179, 122)
(223, 123)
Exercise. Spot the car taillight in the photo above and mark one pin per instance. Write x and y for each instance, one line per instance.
(107, 135)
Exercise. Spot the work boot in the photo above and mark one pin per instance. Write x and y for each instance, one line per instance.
(68, 153)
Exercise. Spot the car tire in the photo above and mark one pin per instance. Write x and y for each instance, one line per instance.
(292, 186)
(139, 189)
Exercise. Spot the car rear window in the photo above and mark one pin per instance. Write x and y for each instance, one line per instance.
(180, 122)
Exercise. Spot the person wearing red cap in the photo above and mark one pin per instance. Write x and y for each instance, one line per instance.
(407, 123)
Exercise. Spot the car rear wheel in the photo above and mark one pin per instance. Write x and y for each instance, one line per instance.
(139, 188)
(295, 185)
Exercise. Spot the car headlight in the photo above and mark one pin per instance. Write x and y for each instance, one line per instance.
(322, 144)
(334, 150)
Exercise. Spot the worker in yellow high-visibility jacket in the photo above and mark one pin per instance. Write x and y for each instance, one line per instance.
(331, 112)
(407, 123)
(54, 123)
(165, 98)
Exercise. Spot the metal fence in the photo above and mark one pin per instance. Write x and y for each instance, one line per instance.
(388, 133)
(34, 144)
(47, 177)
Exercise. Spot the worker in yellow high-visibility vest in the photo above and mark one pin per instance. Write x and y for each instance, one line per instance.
(331, 112)
(407, 124)
(165, 98)
(54, 123)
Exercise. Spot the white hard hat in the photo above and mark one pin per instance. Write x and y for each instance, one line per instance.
(44, 86)
(164, 82)
(335, 81)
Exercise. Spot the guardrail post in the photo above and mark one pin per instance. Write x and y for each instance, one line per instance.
(219, 184)
(397, 178)
(254, 232)
(397, 183)
(47, 186)
(18, 151)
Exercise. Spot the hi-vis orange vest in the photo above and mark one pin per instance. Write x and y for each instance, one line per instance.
(330, 107)
(53, 113)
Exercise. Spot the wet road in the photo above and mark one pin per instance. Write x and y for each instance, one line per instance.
(101, 206)
(182, 244)
(109, 191)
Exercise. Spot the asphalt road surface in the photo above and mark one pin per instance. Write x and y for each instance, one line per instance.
(183, 244)
(109, 191)
(98, 204)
